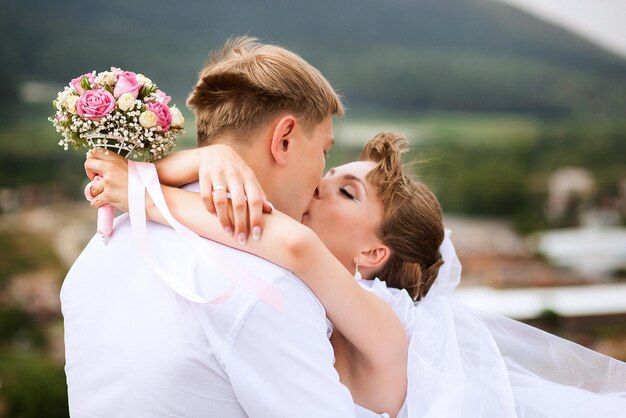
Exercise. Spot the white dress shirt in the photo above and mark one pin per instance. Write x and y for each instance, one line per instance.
(134, 348)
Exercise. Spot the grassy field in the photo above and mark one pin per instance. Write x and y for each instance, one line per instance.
(30, 154)
(30, 133)
(478, 163)
(485, 129)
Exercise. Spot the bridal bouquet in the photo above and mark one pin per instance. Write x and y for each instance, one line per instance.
(120, 111)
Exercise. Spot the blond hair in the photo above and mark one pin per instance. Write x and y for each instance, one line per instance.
(246, 83)
(412, 223)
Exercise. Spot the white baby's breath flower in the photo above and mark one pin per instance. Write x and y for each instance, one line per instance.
(178, 121)
(148, 119)
(67, 91)
(106, 78)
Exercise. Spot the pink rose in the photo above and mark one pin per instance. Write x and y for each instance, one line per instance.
(162, 97)
(75, 83)
(126, 83)
(94, 104)
(162, 112)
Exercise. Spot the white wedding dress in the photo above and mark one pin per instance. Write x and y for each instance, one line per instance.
(465, 363)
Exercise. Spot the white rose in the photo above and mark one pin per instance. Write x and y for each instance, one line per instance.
(106, 78)
(178, 121)
(126, 102)
(142, 79)
(148, 119)
(69, 103)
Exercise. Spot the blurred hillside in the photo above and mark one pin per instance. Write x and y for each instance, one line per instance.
(411, 55)
(500, 98)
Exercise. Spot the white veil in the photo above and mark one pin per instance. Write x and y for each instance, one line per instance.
(467, 363)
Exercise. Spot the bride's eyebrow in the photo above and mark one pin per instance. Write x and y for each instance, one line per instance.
(355, 178)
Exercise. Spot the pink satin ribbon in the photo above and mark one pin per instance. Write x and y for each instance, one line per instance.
(143, 176)
(104, 224)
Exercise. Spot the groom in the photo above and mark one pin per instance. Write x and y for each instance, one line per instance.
(135, 348)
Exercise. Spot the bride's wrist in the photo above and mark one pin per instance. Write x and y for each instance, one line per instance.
(179, 168)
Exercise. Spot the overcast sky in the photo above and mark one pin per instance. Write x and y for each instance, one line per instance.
(603, 21)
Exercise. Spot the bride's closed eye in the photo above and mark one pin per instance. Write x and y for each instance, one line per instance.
(347, 194)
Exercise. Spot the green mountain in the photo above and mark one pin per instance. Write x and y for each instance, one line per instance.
(402, 55)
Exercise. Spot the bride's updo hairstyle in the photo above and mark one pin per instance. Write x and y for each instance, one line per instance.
(412, 224)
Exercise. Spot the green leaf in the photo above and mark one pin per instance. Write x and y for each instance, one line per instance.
(84, 83)
(146, 91)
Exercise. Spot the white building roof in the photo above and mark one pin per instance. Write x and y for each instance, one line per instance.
(588, 250)
(566, 301)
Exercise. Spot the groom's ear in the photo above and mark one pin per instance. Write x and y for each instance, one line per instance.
(375, 258)
(282, 138)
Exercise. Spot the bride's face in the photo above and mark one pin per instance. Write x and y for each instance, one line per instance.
(345, 211)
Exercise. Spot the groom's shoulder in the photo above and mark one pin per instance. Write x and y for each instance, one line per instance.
(248, 310)
(269, 271)
(283, 280)
(296, 297)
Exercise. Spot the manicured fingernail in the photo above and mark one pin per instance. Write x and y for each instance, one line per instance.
(241, 238)
(256, 233)
(228, 230)
(271, 206)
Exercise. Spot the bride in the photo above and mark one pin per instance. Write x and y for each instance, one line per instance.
(404, 345)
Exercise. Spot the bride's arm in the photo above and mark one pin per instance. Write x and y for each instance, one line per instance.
(367, 322)
(179, 168)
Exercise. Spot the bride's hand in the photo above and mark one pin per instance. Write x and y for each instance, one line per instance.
(225, 176)
(113, 187)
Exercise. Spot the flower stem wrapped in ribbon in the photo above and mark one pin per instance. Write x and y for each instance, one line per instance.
(120, 111)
